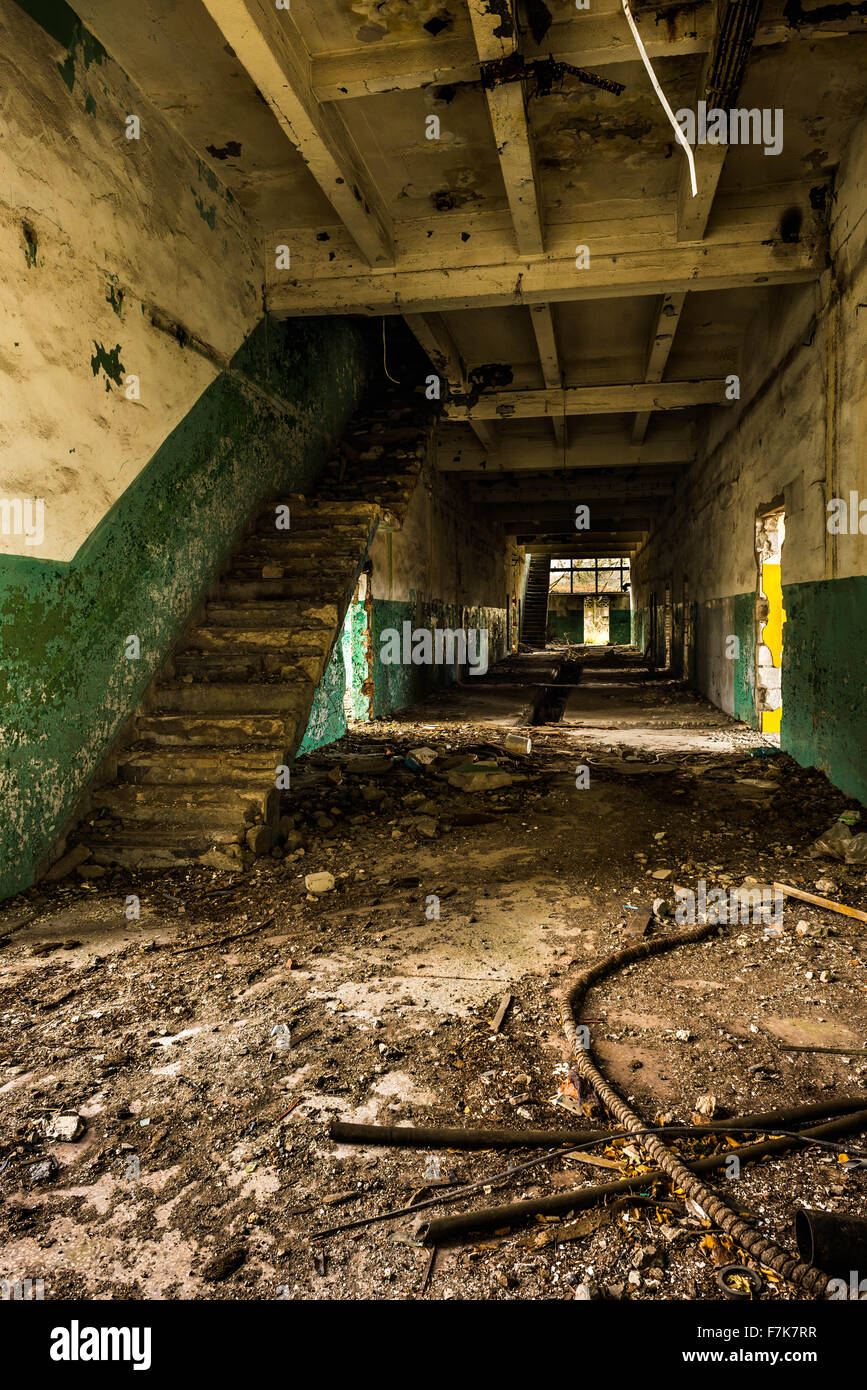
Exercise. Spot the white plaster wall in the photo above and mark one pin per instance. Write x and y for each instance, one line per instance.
(107, 213)
(444, 550)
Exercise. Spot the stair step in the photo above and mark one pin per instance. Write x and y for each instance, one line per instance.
(217, 730)
(318, 506)
(295, 564)
(290, 641)
(225, 812)
(313, 524)
(258, 613)
(238, 697)
(232, 666)
(203, 767)
(306, 590)
(142, 847)
(286, 544)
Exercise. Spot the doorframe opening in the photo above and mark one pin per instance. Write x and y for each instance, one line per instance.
(770, 618)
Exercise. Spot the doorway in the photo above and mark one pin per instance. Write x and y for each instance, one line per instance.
(770, 621)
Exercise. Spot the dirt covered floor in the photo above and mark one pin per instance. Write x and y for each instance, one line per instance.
(205, 1045)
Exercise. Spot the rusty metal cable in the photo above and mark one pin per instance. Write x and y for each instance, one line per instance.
(762, 1249)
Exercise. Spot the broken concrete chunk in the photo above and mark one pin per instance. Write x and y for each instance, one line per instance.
(479, 777)
(67, 863)
(259, 839)
(65, 1129)
(319, 883)
(423, 755)
(45, 1171)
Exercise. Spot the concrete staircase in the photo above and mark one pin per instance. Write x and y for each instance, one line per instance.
(198, 783)
(534, 624)
(380, 458)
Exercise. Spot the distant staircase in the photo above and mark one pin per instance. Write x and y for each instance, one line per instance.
(534, 627)
(198, 783)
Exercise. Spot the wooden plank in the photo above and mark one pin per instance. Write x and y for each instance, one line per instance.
(789, 892)
(497, 1021)
(268, 44)
(394, 67)
(466, 239)
(590, 400)
(660, 345)
(518, 454)
(542, 320)
(604, 512)
(724, 68)
(495, 32)
(693, 213)
(434, 336)
(713, 265)
(588, 41)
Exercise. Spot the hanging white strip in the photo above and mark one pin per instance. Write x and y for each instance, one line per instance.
(661, 94)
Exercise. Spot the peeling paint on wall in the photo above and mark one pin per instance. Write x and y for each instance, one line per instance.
(108, 362)
(66, 686)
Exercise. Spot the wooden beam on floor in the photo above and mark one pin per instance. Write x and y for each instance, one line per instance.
(590, 400)
(713, 265)
(661, 342)
(269, 46)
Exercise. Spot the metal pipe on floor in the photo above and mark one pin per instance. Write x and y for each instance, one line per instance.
(421, 1137)
(834, 1241)
(444, 1228)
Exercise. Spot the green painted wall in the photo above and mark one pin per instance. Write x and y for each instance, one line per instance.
(619, 624)
(396, 686)
(66, 686)
(567, 626)
(825, 679)
(744, 689)
(354, 640)
(327, 720)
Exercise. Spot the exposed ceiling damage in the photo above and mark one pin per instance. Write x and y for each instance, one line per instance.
(503, 174)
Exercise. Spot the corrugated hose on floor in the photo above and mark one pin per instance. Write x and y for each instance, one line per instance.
(766, 1251)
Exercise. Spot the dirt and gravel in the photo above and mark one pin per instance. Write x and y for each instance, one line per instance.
(206, 1028)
